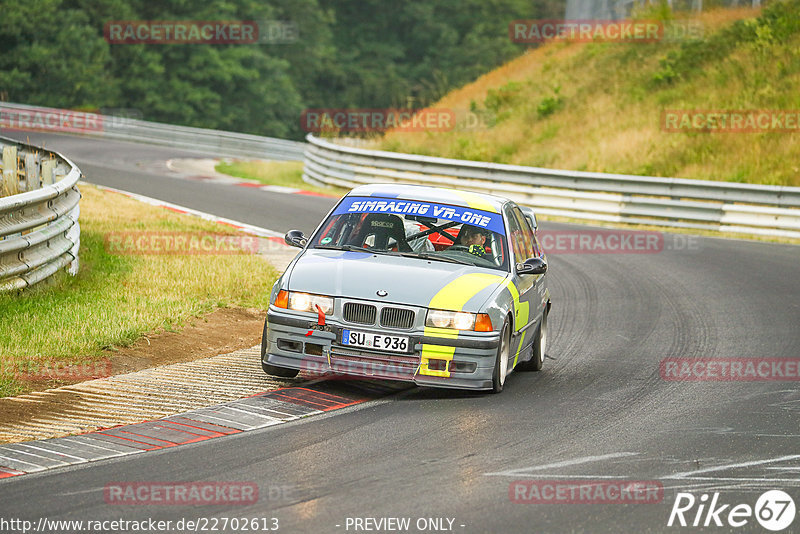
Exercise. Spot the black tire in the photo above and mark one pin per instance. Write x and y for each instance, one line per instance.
(500, 369)
(538, 349)
(281, 372)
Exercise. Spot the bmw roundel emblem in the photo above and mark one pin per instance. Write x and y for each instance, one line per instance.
(382, 293)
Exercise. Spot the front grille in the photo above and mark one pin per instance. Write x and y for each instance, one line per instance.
(397, 318)
(355, 312)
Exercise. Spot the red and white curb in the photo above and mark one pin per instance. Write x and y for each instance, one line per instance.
(283, 189)
(203, 170)
(258, 411)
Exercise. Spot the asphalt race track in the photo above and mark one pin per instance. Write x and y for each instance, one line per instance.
(141, 168)
(600, 410)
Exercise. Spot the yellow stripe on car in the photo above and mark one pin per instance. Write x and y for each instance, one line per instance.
(521, 315)
(454, 296)
(475, 201)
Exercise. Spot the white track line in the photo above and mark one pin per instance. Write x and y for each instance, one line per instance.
(691, 474)
(566, 463)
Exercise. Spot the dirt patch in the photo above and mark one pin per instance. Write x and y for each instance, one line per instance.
(220, 332)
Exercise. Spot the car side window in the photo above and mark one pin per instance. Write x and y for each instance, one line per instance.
(537, 246)
(515, 233)
(525, 233)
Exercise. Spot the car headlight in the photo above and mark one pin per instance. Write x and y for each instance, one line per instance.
(479, 322)
(305, 302)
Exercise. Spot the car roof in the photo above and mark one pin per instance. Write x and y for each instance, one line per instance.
(424, 193)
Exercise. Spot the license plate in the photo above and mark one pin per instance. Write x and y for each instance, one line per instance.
(370, 340)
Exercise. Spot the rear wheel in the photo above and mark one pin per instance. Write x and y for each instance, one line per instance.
(271, 369)
(501, 361)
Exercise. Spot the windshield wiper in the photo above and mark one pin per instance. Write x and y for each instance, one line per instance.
(422, 255)
(435, 257)
(351, 248)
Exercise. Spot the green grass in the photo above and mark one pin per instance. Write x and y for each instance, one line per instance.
(598, 106)
(282, 173)
(8, 385)
(115, 299)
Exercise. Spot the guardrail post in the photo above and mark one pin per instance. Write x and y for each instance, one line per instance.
(31, 172)
(10, 178)
(48, 172)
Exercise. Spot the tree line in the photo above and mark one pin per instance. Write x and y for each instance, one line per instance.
(345, 54)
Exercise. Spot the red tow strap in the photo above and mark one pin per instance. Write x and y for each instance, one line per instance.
(320, 315)
(320, 319)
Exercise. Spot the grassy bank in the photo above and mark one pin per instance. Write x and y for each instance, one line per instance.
(116, 298)
(598, 106)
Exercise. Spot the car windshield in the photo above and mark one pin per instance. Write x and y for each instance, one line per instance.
(426, 230)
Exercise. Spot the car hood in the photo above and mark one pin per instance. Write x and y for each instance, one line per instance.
(358, 275)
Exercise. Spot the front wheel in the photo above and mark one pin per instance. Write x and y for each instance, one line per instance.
(281, 372)
(501, 361)
(539, 347)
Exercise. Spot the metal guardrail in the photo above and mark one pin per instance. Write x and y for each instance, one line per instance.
(213, 142)
(39, 230)
(669, 202)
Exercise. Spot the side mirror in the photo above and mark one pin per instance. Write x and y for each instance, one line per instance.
(532, 266)
(295, 238)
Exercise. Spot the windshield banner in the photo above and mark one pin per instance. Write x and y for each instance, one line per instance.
(472, 216)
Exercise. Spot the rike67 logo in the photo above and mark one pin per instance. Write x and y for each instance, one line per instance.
(774, 510)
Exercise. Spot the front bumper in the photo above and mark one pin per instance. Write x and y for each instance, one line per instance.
(465, 362)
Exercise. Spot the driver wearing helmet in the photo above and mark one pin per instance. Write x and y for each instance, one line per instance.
(474, 239)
